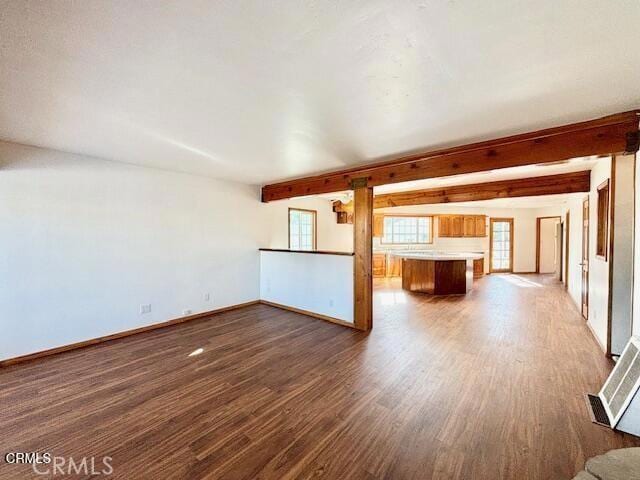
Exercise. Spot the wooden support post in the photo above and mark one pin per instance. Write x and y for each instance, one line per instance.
(363, 259)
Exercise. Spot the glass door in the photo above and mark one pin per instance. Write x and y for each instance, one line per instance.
(501, 233)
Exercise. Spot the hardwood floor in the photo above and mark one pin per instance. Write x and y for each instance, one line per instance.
(482, 386)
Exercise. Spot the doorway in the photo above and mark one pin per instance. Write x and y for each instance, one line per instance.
(584, 263)
(549, 245)
(501, 245)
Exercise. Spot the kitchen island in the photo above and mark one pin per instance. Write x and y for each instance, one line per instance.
(437, 273)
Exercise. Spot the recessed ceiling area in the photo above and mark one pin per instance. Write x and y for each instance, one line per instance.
(538, 170)
(262, 91)
(527, 171)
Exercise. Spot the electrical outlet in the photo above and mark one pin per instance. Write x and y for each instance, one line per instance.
(331, 302)
(186, 312)
(146, 308)
(207, 297)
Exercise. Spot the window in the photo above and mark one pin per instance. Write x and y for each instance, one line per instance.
(407, 230)
(603, 220)
(302, 229)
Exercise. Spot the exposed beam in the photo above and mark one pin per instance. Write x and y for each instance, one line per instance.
(521, 187)
(613, 134)
(363, 255)
(340, 207)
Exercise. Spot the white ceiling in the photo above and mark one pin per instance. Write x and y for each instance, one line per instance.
(527, 171)
(539, 170)
(259, 91)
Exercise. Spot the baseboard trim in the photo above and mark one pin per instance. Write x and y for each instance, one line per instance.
(523, 273)
(326, 318)
(116, 336)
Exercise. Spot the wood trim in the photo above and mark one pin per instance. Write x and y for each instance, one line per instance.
(116, 336)
(606, 184)
(521, 187)
(602, 136)
(634, 250)
(315, 226)
(585, 243)
(566, 250)
(513, 236)
(308, 313)
(422, 215)
(363, 260)
(537, 245)
(315, 252)
(611, 223)
(538, 220)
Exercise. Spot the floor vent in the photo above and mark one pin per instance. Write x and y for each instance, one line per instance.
(620, 394)
(597, 411)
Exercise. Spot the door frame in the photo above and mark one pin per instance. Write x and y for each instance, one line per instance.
(538, 220)
(511, 241)
(584, 293)
(566, 249)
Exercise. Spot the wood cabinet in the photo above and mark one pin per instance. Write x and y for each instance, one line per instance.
(478, 268)
(469, 228)
(481, 226)
(378, 225)
(444, 226)
(457, 226)
(462, 226)
(394, 266)
(379, 264)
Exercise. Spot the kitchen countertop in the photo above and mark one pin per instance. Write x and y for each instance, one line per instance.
(438, 256)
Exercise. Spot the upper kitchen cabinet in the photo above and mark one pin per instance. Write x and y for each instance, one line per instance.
(462, 226)
(481, 226)
(469, 226)
(444, 225)
(457, 226)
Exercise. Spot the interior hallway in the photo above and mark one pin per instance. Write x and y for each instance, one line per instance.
(487, 385)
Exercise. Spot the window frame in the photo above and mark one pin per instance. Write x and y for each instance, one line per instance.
(603, 205)
(408, 215)
(314, 223)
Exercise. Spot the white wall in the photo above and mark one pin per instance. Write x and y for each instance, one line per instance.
(575, 250)
(621, 294)
(85, 242)
(331, 235)
(548, 243)
(598, 267)
(313, 282)
(524, 220)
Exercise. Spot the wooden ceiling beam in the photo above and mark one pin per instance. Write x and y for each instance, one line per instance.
(612, 134)
(521, 187)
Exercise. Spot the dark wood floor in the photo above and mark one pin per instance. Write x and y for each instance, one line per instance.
(479, 387)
